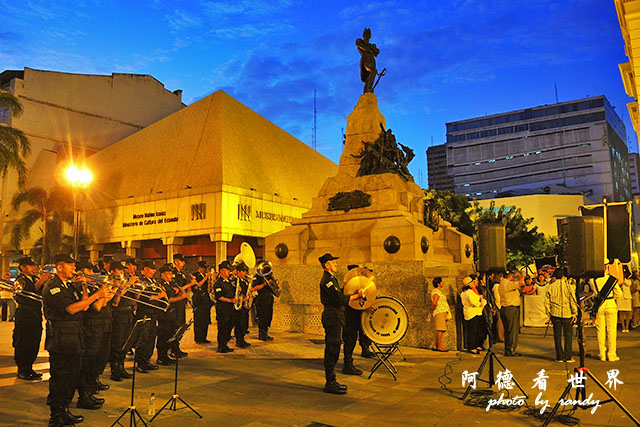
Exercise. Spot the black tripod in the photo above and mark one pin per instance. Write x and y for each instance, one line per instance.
(139, 331)
(581, 392)
(172, 403)
(489, 359)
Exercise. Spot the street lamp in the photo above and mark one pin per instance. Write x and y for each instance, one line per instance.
(79, 178)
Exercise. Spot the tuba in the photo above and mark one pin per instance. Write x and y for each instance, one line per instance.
(265, 268)
(248, 257)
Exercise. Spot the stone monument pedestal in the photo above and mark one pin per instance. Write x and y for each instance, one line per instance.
(385, 233)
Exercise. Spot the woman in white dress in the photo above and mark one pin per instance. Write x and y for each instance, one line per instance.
(440, 312)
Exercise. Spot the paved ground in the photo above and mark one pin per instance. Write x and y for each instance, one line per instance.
(279, 383)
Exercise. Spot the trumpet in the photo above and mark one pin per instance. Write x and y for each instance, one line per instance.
(102, 280)
(16, 288)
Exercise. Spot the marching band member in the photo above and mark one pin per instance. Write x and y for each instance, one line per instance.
(168, 324)
(184, 280)
(92, 329)
(63, 309)
(27, 330)
(264, 305)
(241, 316)
(152, 292)
(122, 319)
(225, 299)
(333, 320)
(201, 304)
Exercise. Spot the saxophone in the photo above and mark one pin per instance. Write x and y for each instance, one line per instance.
(251, 294)
(238, 304)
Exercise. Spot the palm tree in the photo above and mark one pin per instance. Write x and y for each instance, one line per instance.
(14, 145)
(51, 208)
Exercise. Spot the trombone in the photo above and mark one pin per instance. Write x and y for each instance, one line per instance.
(16, 288)
(102, 280)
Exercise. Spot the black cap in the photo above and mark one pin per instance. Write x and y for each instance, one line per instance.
(107, 258)
(149, 264)
(63, 258)
(130, 260)
(26, 261)
(165, 268)
(81, 265)
(115, 265)
(179, 256)
(326, 257)
(203, 264)
(352, 266)
(242, 267)
(225, 264)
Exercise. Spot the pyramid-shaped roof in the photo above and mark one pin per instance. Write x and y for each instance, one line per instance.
(213, 142)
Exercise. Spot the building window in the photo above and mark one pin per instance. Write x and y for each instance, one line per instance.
(198, 211)
(4, 116)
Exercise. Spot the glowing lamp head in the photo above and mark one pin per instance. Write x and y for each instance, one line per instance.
(78, 177)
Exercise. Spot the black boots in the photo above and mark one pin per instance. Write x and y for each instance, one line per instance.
(70, 418)
(242, 344)
(87, 401)
(118, 373)
(115, 372)
(334, 387)
(350, 369)
(57, 420)
(264, 336)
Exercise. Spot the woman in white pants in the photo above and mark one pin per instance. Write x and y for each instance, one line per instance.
(607, 320)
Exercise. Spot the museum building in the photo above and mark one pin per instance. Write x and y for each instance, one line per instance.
(199, 182)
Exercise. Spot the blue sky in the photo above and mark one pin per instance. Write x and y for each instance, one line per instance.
(445, 60)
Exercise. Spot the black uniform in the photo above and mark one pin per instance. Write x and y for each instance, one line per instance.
(264, 307)
(27, 331)
(168, 323)
(92, 334)
(241, 316)
(181, 278)
(144, 351)
(333, 320)
(353, 332)
(224, 310)
(201, 309)
(63, 341)
(122, 323)
(104, 347)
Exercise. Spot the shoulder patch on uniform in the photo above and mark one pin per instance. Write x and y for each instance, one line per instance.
(54, 291)
(218, 289)
(329, 284)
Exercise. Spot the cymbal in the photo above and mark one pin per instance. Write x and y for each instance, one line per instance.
(356, 283)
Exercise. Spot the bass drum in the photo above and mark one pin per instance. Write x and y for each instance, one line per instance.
(386, 321)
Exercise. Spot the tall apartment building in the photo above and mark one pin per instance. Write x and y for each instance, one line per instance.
(575, 147)
(437, 171)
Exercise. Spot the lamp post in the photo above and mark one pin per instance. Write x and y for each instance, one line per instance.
(78, 179)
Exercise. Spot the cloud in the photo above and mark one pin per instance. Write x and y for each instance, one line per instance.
(250, 30)
(181, 20)
(217, 9)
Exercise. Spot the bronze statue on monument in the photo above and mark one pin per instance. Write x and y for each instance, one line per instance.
(368, 52)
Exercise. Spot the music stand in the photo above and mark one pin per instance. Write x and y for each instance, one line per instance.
(137, 334)
(173, 400)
